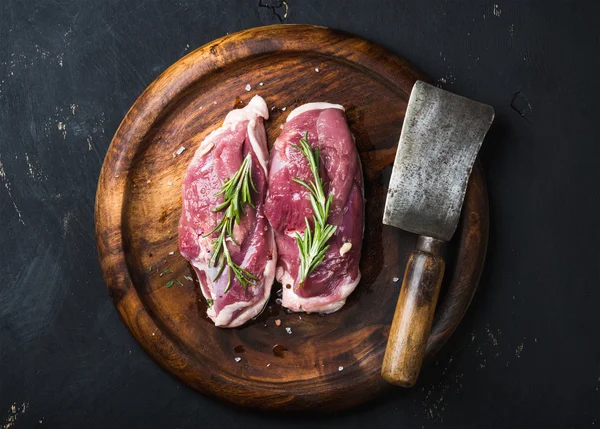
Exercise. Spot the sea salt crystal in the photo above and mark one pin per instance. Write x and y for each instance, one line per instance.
(237, 359)
(317, 70)
(395, 279)
(248, 87)
(288, 330)
(170, 183)
(180, 150)
(283, 109)
(171, 253)
(261, 84)
(340, 368)
(268, 365)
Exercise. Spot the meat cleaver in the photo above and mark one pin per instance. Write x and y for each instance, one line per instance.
(440, 138)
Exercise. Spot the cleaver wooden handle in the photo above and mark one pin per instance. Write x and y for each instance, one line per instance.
(414, 313)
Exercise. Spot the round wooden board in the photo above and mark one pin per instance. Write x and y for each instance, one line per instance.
(326, 362)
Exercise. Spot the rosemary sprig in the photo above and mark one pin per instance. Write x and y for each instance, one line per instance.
(313, 245)
(236, 193)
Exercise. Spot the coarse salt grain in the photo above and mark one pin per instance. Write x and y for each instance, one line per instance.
(395, 279)
(170, 183)
(283, 109)
(340, 368)
(180, 150)
(268, 365)
(288, 330)
(317, 69)
(171, 253)
(248, 87)
(261, 84)
(237, 359)
(148, 181)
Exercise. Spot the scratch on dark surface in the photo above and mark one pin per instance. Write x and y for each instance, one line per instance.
(276, 7)
(8, 190)
(37, 296)
(521, 105)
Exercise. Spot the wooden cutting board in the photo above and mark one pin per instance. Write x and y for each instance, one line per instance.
(320, 362)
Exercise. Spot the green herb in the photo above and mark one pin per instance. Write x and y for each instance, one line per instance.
(210, 302)
(165, 272)
(313, 244)
(236, 193)
(173, 282)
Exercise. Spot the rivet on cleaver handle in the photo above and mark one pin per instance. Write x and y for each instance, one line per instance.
(441, 136)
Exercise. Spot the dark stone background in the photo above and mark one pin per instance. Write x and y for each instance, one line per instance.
(527, 353)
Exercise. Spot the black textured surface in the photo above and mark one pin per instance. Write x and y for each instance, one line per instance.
(526, 355)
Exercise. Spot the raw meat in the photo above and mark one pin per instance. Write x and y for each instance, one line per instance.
(327, 287)
(217, 159)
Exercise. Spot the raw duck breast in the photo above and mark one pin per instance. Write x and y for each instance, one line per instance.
(216, 160)
(325, 290)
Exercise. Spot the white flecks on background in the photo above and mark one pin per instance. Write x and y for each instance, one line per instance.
(29, 167)
(283, 109)
(491, 336)
(288, 330)
(497, 12)
(171, 253)
(281, 127)
(248, 87)
(237, 359)
(317, 69)
(14, 413)
(170, 183)
(519, 350)
(511, 29)
(395, 279)
(89, 142)
(32, 171)
(180, 150)
(66, 219)
(148, 181)
(340, 368)
(59, 57)
(214, 102)
(63, 127)
(268, 365)
(261, 84)
(73, 107)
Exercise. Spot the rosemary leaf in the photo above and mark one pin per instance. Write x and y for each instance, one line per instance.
(312, 245)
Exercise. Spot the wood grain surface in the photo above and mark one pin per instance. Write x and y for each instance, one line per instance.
(325, 362)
